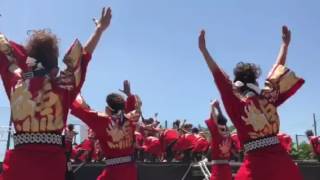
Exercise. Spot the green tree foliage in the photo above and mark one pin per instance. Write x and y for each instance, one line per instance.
(302, 152)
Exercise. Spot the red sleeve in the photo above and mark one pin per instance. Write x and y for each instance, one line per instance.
(213, 128)
(281, 84)
(86, 57)
(232, 103)
(85, 114)
(10, 72)
(131, 103)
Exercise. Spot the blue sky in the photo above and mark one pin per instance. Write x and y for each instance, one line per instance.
(154, 45)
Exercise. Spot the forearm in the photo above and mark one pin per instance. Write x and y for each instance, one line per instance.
(210, 61)
(281, 59)
(93, 40)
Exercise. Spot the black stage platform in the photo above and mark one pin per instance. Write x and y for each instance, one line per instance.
(175, 171)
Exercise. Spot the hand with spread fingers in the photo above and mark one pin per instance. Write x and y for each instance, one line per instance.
(105, 19)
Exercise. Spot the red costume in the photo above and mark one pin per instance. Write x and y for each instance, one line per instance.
(235, 142)
(256, 120)
(315, 143)
(168, 137)
(152, 146)
(39, 107)
(285, 141)
(116, 139)
(185, 142)
(201, 145)
(220, 153)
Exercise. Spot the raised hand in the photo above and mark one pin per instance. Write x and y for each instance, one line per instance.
(286, 35)
(214, 108)
(126, 88)
(104, 20)
(202, 41)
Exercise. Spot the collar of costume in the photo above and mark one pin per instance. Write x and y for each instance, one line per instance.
(251, 86)
(38, 69)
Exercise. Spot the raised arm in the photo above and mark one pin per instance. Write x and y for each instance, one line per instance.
(82, 110)
(286, 37)
(212, 122)
(209, 60)
(224, 85)
(101, 25)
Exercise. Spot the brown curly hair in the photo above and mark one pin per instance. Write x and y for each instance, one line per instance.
(246, 73)
(43, 46)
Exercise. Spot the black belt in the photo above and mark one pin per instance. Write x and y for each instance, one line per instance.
(37, 138)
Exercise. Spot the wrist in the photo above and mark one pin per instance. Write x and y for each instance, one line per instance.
(285, 45)
(99, 29)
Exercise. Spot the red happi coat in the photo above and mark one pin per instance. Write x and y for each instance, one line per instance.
(115, 140)
(38, 105)
(167, 137)
(201, 145)
(315, 143)
(235, 142)
(256, 117)
(152, 146)
(185, 142)
(285, 141)
(220, 150)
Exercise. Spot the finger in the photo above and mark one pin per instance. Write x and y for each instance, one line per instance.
(108, 13)
(103, 12)
(284, 29)
(203, 32)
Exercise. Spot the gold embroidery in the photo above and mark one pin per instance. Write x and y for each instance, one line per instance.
(265, 120)
(121, 136)
(21, 104)
(225, 148)
(255, 117)
(5, 47)
(280, 81)
(47, 106)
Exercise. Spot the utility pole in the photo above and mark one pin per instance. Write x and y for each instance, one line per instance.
(315, 124)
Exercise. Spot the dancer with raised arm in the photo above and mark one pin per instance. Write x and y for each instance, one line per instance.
(220, 144)
(40, 100)
(114, 129)
(253, 112)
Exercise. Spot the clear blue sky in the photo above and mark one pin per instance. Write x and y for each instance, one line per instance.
(154, 45)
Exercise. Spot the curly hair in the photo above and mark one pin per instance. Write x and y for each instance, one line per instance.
(116, 102)
(43, 46)
(246, 73)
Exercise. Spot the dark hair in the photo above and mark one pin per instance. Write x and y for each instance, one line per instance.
(115, 101)
(195, 130)
(309, 133)
(187, 126)
(43, 46)
(176, 123)
(70, 127)
(148, 121)
(222, 120)
(246, 73)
